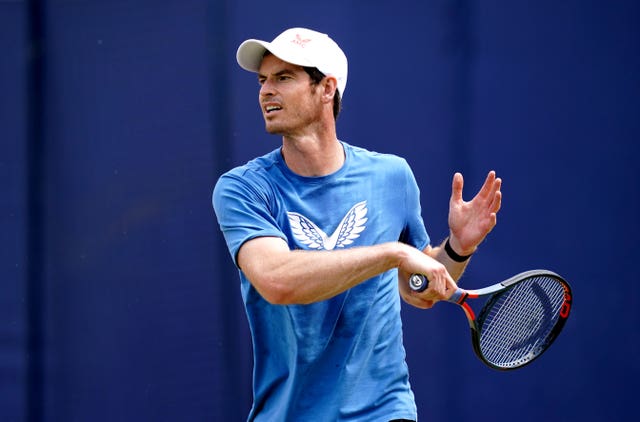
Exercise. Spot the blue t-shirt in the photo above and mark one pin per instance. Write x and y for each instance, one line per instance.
(340, 359)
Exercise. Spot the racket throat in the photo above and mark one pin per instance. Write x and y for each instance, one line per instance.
(471, 316)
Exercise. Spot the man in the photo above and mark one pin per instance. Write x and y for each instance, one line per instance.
(325, 236)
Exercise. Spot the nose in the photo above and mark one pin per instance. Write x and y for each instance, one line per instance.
(266, 89)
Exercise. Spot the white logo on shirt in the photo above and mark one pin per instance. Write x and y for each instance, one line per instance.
(349, 229)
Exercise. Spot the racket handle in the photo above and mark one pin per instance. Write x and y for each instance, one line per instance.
(419, 283)
(458, 296)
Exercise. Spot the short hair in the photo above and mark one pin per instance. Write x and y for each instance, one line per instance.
(316, 76)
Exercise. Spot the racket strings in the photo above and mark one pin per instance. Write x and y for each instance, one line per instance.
(504, 325)
(515, 326)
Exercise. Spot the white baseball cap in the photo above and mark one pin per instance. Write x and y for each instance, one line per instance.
(299, 46)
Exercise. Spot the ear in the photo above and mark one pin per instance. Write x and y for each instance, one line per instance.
(329, 87)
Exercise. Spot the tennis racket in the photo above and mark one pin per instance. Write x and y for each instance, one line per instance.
(520, 320)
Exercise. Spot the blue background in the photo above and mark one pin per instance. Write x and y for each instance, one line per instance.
(118, 300)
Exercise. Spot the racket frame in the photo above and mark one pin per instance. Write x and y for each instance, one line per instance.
(419, 282)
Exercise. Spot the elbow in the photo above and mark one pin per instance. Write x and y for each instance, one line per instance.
(276, 296)
(273, 290)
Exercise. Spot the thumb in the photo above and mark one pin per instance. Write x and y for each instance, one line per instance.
(456, 187)
(451, 287)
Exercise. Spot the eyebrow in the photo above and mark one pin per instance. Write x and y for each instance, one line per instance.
(280, 73)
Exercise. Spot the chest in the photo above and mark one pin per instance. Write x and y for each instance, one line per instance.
(341, 214)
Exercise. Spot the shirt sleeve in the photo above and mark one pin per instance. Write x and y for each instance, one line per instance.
(414, 232)
(243, 213)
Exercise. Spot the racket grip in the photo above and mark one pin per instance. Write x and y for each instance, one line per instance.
(458, 296)
(418, 282)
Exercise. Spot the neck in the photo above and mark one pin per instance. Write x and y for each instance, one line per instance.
(313, 156)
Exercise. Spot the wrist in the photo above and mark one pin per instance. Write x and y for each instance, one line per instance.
(398, 253)
(454, 255)
(401, 254)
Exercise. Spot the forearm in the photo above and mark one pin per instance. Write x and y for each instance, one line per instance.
(454, 267)
(282, 276)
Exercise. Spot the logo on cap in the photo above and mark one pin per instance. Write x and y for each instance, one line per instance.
(300, 41)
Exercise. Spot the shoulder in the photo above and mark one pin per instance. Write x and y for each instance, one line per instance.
(253, 171)
(380, 160)
(251, 179)
(254, 167)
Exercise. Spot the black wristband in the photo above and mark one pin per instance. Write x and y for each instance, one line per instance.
(452, 254)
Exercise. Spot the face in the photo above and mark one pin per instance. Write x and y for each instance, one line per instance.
(290, 103)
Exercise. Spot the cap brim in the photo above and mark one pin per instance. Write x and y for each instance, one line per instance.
(250, 53)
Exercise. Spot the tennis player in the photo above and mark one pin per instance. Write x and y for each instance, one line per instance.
(325, 235)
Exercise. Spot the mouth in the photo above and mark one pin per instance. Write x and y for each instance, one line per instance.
(270, 108)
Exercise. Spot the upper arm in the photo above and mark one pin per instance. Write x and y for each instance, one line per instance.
(258, 258)
(256, 255)
(243, 213)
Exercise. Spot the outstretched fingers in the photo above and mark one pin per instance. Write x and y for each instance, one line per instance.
(490, 193)
(497, 201)
(489, 186)
(471, 221)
